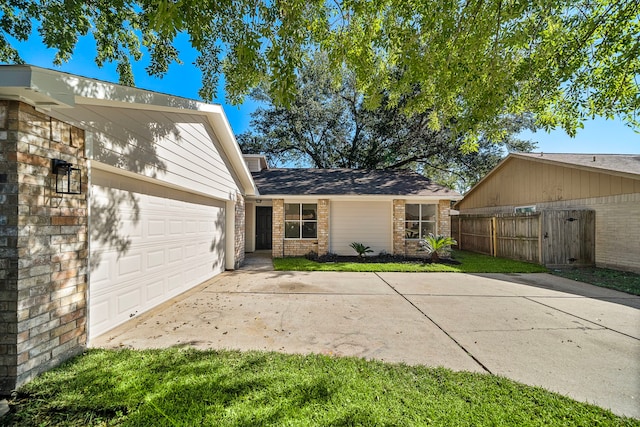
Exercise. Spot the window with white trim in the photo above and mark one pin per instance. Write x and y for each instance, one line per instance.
(300, 220)
(420, 220)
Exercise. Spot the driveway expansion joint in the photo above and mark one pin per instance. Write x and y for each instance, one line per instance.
(475, 359)
(600, 327)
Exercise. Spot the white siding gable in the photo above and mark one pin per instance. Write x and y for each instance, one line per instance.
(177, 148)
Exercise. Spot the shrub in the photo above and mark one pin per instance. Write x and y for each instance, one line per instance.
(437, 246)
(361, 249)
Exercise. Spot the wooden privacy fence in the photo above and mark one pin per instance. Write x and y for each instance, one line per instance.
(555, 238)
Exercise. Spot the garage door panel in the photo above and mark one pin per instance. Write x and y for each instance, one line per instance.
(165, 243)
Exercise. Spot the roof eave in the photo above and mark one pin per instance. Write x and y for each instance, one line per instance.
(360, 196)
(49, 89)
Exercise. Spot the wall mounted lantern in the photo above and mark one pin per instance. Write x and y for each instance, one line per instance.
(68, 178)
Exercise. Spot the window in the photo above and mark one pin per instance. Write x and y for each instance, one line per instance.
(420, 220)
(524, 209)
(300, 220)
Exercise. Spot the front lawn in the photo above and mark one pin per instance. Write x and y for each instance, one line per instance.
(186, 387)
(469, 263)
(613, 279)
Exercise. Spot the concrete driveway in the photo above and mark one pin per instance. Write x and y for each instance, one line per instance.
(572, 338)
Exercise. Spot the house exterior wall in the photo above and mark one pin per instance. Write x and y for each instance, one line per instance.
(240, 226)
(615, 199)
(398, 227)
(617, 226)
(324, 208)
(366, 222)
(524, 182)
(282, 247)
(43, 242)
(410, 247)
(177, 149)
(378, 224)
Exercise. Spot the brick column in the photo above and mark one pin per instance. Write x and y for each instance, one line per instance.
(444, 218)
(8, 247)
(239, 230)
(398, 227)
(323, 226)
(277, 228)
(43, 293)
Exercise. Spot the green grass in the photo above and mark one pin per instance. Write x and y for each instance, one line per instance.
(613, 279)
(469, 263)
(185, 387)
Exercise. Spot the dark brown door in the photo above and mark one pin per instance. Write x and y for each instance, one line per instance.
(263, 227)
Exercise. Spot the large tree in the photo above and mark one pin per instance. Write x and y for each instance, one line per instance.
(471, 60)
(326, 125)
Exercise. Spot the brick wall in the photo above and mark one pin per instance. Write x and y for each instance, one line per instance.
(444, 218)
(8, 248)
(277, 228)
(44, 238)
(323, 227)
(404, 247)
(240, 215)
(398, 227)
(299, 247)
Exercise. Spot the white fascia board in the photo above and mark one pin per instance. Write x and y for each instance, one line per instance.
(35, 86)
(222, 128)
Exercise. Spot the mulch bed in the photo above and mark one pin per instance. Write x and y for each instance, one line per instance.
(333, 258)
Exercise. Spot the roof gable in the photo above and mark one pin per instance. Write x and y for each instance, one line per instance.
(605, 163)
(68, 94)
(512, 175)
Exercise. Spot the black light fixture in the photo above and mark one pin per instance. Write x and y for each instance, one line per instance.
(68, 178)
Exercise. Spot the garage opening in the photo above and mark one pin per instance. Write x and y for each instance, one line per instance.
(148, 243)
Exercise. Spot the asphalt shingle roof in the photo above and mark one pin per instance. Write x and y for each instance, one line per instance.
(625, 163)
(354, 182)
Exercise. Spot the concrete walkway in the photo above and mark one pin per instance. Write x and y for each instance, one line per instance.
(575, 339)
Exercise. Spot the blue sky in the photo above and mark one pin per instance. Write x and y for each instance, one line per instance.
(598, 136)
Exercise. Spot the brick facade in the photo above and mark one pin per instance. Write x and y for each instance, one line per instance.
(282, 247)
(323, 227)
(277, 228)
(299, 247)
(43, 242)
(404, 247)
(239, 233)
(398, 227)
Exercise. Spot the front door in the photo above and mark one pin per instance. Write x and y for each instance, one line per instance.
(263, 227)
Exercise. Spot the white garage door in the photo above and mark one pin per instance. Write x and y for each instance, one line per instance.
(369, 223)
(148, 243)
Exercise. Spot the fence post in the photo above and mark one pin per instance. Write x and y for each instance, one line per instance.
(540, 237)
(494, 237)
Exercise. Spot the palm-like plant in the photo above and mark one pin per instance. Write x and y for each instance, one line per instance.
(361, 249)
(437, 246)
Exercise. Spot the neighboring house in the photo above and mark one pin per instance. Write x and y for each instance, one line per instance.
(162, 184)
(608, 184)
(301, 211)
